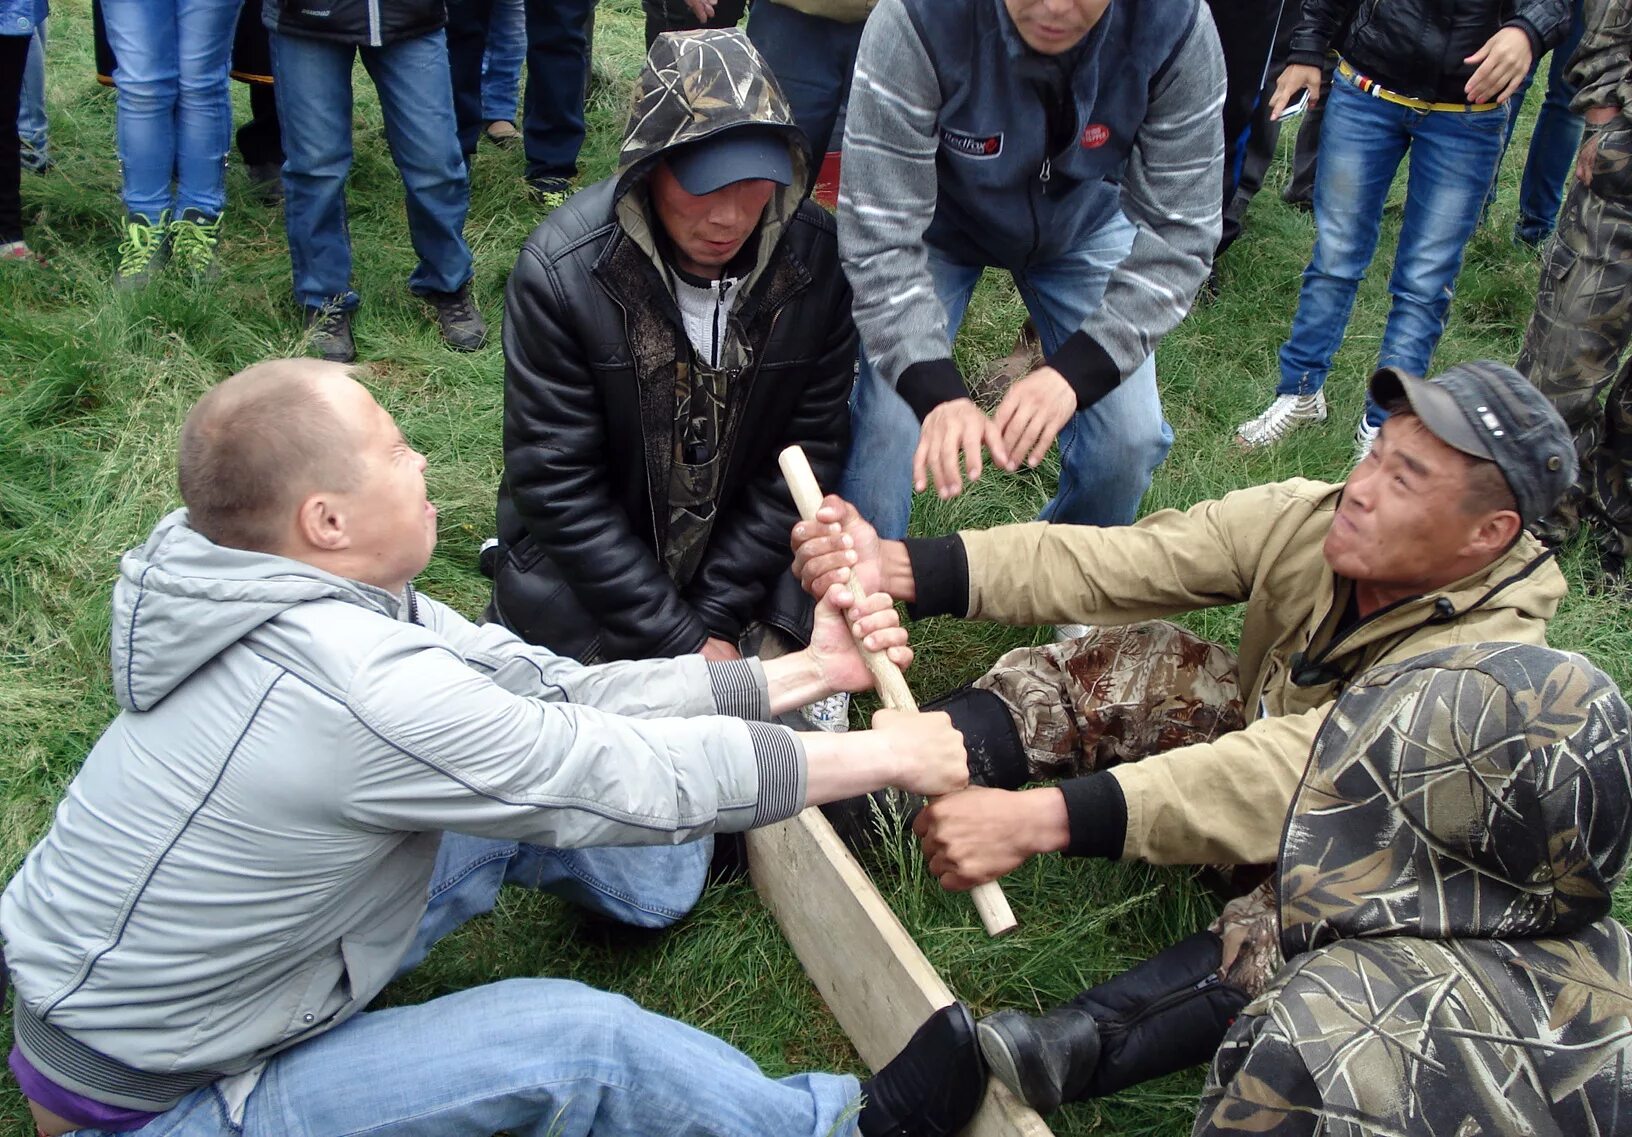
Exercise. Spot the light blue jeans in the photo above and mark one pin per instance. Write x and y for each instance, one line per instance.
(174, 122)
(1107, 452)
(1363, 139)
(501, 64)
(531, 1057)
(31, 121)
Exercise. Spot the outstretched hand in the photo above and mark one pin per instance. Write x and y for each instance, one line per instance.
(1033, 412)
(840, 624)
(952, 431)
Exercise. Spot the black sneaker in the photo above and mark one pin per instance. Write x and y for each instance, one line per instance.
(463, 328)
(551, 193)
(330, 332)
(266, 182)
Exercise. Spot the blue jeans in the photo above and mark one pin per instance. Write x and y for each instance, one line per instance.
(175, 106)
(31, 122)
(501, 64)
(812, 59)
(1362, 142)
(1553, 143)
(532, 1057)
(552, 120)
(1107, 452)
(314, 104)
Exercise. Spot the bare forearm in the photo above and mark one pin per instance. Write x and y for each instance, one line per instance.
(841, 766)
(793, 681)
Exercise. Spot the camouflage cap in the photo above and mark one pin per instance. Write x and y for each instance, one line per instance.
(1479, 790)
(1490, 411)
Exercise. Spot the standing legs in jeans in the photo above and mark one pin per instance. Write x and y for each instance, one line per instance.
(31, 120)
(1453, 157)
(553, 103)
(812, 58)
(1107, 452)
(174, 127)
(501, 68)
(416, 99)
(13, 56)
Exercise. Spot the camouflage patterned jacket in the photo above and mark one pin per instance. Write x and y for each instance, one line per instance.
(1262, 546)
(1446, 884)
(1601, 68)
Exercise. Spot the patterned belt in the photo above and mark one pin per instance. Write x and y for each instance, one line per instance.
(1372, 88)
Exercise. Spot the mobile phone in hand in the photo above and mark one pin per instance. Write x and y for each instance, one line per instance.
(1295, 107)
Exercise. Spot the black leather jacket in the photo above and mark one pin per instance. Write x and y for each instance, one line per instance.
(373, 23)
(591, 339)
(1417, 47)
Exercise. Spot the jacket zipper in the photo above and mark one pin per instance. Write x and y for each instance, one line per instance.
(1121, 1025)
(376, 33)
(1031, 204)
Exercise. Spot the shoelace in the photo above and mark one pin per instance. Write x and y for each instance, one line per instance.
(1277, 420)
(193, 243)
(141, 244)
(457, 309)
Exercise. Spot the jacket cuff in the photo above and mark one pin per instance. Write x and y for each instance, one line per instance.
(928, 384)
(1306, 58)
(1537, 48)
(1097, 814)
(1092, 373)
(740, 689)
(940, 572)
(782, 773)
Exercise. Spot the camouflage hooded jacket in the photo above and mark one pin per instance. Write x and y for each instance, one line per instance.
(597, 362)
(1446, 880)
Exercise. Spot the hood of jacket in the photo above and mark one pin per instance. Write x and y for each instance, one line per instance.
(181, 600)
(693, 86)
(1471, 792)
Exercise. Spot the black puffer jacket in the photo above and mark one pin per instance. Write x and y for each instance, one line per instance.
(592, 337)
(1417, 47)
(372, 23)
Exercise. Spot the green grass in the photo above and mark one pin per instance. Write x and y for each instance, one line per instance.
(93, 387)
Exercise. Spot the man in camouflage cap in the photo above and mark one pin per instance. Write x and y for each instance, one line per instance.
(1171, 749)
(1578, 341)
(1445, 890)
(667, 332)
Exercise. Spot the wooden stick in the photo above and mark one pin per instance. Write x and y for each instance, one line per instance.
(995, 915)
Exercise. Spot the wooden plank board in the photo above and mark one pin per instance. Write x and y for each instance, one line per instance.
(874, 978)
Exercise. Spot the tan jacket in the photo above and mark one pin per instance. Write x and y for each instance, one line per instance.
(1226, 801)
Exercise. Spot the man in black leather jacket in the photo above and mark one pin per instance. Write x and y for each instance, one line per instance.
(667, 333)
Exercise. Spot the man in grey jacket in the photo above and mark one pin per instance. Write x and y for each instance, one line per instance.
(317, 772)
(1075, 143)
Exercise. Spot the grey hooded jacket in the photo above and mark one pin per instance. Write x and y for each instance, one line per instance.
(244, 856)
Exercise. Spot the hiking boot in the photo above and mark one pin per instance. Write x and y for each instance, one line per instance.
(933, 1087)
(1364, 435)
(34, 159)
(502, 133)
(266, 182)
(143, 251)
(329, 330)
(551, 193)
(462, 326)
(1044, 1060)
(194, 239)
(1283, 415)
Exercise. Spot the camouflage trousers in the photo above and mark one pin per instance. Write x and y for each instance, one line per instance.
(1576, 344)
(1120, 694)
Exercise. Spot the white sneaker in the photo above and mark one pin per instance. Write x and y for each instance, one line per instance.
(1364, 435)
(831, 714)
(1286, 412)
(1064, 633)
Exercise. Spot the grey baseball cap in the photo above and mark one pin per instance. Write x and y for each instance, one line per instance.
(1488, 410)
(739, 154)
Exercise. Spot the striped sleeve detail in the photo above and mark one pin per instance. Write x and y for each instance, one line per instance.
(782, 783)
(740, 689)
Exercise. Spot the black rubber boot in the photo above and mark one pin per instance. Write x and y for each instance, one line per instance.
(1168, 1013)
(933, 1087)
(996, 757)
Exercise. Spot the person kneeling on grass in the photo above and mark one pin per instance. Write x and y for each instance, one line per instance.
(317, 772)
(1422, 547)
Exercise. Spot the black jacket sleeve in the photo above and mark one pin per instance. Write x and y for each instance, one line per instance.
(1320, 23)
(749, 545)
(555, 457)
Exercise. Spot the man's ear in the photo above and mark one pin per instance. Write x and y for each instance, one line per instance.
(320, 522)
(1495, 533)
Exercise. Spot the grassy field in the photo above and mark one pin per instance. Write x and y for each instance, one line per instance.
(93, 387)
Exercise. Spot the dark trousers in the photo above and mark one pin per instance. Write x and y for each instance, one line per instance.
(1246, 32)
(260, 140)
(13, 57)
(673, 16)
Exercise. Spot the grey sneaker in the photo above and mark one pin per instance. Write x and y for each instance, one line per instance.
(143, 251)
(194, 240)
(1364, 435)
(463, 328)
(330, 332)
(1284, 414)
(831, 714)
